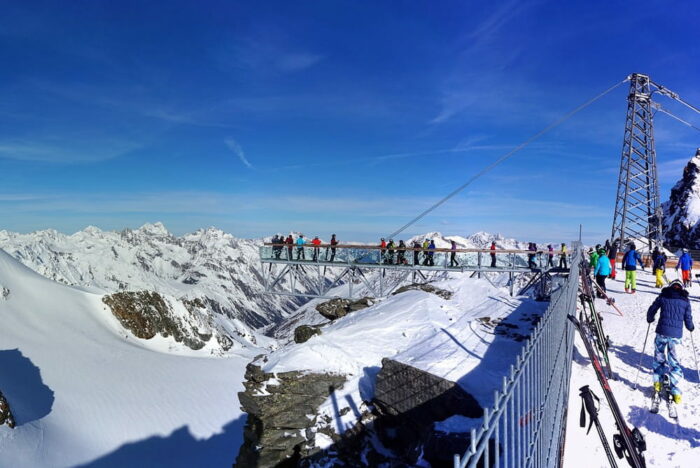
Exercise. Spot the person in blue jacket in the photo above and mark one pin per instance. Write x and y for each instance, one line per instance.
(602, 270)
(300, 247)
(685, 262)
(629, 264)
(675, 312)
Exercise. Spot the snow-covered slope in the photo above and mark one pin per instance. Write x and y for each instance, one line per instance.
(682, 210)
(217, 268)
(669, 443)
(82, 389)
(479, 240)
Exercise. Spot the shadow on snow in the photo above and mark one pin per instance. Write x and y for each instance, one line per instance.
(179, 449)
(20, 381)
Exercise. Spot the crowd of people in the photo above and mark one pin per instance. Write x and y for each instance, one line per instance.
(672, 304)
(391, 253)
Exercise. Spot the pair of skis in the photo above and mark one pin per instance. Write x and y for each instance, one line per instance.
(593, 320)
(667, 396)
(627, 443)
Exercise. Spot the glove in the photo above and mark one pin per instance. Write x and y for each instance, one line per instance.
(650, 321)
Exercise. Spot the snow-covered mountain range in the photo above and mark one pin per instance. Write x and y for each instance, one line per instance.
(682, 210)
(220, 271)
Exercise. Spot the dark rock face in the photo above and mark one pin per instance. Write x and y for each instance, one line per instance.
(147, 314)
(682, 211)
(410, 401)
(337, 308)
(280, 416)
(5, 413)
(425, 287)
(304, 332)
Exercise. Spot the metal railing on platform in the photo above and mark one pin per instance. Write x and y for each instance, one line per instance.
(367, 255)
(525, 425)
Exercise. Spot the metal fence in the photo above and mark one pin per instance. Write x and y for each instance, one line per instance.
(525, 425)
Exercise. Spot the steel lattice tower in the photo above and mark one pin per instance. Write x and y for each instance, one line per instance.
(637, 208)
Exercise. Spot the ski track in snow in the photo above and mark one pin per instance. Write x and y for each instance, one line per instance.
(669, 443)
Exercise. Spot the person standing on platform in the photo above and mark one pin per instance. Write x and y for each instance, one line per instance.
(416, 252)
(550, 256)
(316, 242)
(401, 253)
(334, 242)
(300, 247)
(290, 243)
(431, 253)
(382, 244)
(453, 253)
(426, 256)
(493, 254)
(685, 262)
(562, 257)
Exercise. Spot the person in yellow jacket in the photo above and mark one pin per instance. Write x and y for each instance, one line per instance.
(562, 257)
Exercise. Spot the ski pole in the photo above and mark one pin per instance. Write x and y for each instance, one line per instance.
(695, 353)
(636, 378)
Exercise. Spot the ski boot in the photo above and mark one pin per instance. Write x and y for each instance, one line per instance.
(656, 398)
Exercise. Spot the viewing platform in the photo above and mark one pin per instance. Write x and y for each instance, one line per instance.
(312, 271)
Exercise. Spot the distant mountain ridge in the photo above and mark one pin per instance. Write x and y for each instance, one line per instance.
(220, 270)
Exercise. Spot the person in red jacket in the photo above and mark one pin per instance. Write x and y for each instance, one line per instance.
(493, 254)
(334, 242)
(383, 246)
(316, 242)
(290, 243)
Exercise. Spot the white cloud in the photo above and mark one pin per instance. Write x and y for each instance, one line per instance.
(238, 151)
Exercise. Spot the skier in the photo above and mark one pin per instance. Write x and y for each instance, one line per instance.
(685, 262)
(629, 264)
(401, 253)
(431, 253)
(453, 252)
(316, 242)
(416, 252)
(602, 270)
(562, 257)
(300, 247)
(550, 258)
(612, 255)
(290, 243)
(659, 261)
(493, 254)
(382, 251)
(334, 242)
(675, 312)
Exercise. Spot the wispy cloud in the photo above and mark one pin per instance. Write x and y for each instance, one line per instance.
(62, 151)
(297, 61)
(238, 151)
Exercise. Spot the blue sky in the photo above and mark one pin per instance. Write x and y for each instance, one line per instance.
(330, 116)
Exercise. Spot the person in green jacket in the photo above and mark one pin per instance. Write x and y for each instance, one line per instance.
(593, 258)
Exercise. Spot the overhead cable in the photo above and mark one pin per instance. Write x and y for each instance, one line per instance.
(505, 157)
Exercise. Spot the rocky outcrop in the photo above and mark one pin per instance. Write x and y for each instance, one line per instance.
(147, 314)
(5, 413)
(410, 401)
(282, 412)
(337, 308)
(303, 333)
(681, 224)
(425, 287)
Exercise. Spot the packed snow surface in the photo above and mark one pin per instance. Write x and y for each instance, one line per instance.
(85, 392)
(471, 339)
(670, 443)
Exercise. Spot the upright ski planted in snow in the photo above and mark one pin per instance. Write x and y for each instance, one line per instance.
(627, 443)
(593, 320)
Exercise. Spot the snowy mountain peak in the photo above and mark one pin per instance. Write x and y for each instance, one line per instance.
(682, 210)
(154, 229)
